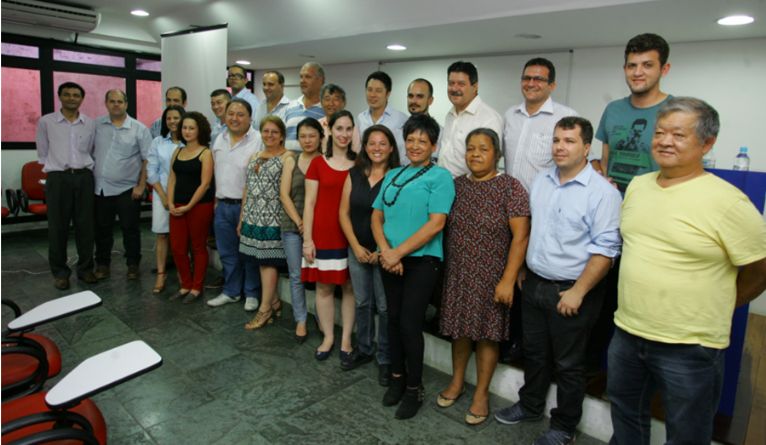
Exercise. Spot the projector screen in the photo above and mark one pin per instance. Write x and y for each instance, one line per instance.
(195, 60)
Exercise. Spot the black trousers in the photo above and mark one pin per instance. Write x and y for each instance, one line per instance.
(407, 297)
(69, 195)
(555, 345)
(129, 211)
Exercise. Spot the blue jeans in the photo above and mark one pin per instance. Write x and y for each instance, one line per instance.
(689, 377)
(293, 245)
(241, 274)
(369, 294)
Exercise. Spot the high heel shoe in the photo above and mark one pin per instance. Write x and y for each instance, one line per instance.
(276, 307)
(260, 320)
(323, 355)
(159, 283)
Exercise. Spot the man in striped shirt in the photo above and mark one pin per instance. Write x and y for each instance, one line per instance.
(528, 130)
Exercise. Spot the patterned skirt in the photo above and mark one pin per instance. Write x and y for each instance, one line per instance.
(263, 243)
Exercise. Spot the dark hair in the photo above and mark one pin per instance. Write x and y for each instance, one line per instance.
(350, 154)
(203, 127)
(648, 42)
(280, 76)
(164, 130)
(67, 85)
(540, 61)
(364, 162)
(572, 122)
(244, 71)
(311, 123)
(706, 124)
(492, 135)
(332, 89)
(221, 92)
(242, 102)
(381, 77)
(124, 96)
(425, 81)
(466, 68)
(180, 90)
(422, 122)
(276, 120)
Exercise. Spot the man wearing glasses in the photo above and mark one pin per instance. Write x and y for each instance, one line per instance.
(528, 129)
(237, 80)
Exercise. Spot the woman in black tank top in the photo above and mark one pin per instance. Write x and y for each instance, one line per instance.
(190, 202)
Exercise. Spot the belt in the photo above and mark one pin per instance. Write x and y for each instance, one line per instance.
(230, 201)
(556, 282)
(72, 171)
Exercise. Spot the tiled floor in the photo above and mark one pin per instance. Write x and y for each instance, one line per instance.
(220, 384)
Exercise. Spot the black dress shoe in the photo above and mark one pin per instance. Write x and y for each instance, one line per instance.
(384, 375)
(88, 277)
(358, 359)
(61, 283)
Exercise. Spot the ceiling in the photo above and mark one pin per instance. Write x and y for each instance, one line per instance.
(285, 33)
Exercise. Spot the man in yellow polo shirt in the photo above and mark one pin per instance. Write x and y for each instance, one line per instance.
(694, 248)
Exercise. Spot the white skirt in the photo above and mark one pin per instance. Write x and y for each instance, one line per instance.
(160, 215)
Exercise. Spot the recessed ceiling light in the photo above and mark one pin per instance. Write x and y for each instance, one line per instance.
(530, 36)
(242, 62)
(735, 20)
(396, 47)
(139, 13)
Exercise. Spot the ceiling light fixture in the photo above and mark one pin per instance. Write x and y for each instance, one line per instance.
(242, 62)
(396, 47)
(529, 36)
(735, 20)
(139, 13)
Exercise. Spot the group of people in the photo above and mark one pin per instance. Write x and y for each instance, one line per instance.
(393, 209)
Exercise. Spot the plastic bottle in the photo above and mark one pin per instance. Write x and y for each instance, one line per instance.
(742, 161)
(708, 161)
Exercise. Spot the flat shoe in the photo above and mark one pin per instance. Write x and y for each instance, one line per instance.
(191, 298)
(323, 355)
(473, 419)
(178, 295)
(446, 402)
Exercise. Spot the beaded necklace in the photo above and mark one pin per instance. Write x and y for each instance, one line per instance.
(399, 187)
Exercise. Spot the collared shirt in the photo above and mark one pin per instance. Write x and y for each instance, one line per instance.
(251, 98)
(156, 128)
(263, 111)
(216, 128)
(62, 144)
(394, 120)
(119, 154)
(571, 222)
(158, 161)
(294, 114)
(231, 163)
(457, 126)
(527, 139)
(356, 140)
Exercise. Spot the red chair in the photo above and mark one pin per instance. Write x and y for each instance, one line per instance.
(32, 189)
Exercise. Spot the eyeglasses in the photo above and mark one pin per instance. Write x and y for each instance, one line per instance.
(534, 79)
(236, 76)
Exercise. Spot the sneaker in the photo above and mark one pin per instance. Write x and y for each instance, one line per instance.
(251, 303)
(395, 391)
(514, 414)
(412, 400)
(222, 299)
(555, 437)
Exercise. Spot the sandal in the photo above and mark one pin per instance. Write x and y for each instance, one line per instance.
(474, 419)
(159, 283)
(260, 320)
(445, 402)
(276, 307)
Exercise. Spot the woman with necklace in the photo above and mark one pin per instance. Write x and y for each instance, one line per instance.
(157, 171)
(325, 249)
(487, 236)
(190, 203)
(362, 186)
(261, 217)
(407, 221)
(292, 192)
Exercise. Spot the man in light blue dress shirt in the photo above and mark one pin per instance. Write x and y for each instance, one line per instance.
(276, 103)
(173, 96)
(237, 80)
(378, 90)
(64, 142)
(219, 100)
(121, 149)
(574, 240)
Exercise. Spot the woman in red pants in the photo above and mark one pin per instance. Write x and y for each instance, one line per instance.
(190, 202)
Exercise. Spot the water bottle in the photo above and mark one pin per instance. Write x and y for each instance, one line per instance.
(708, 161)
(742, 161)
